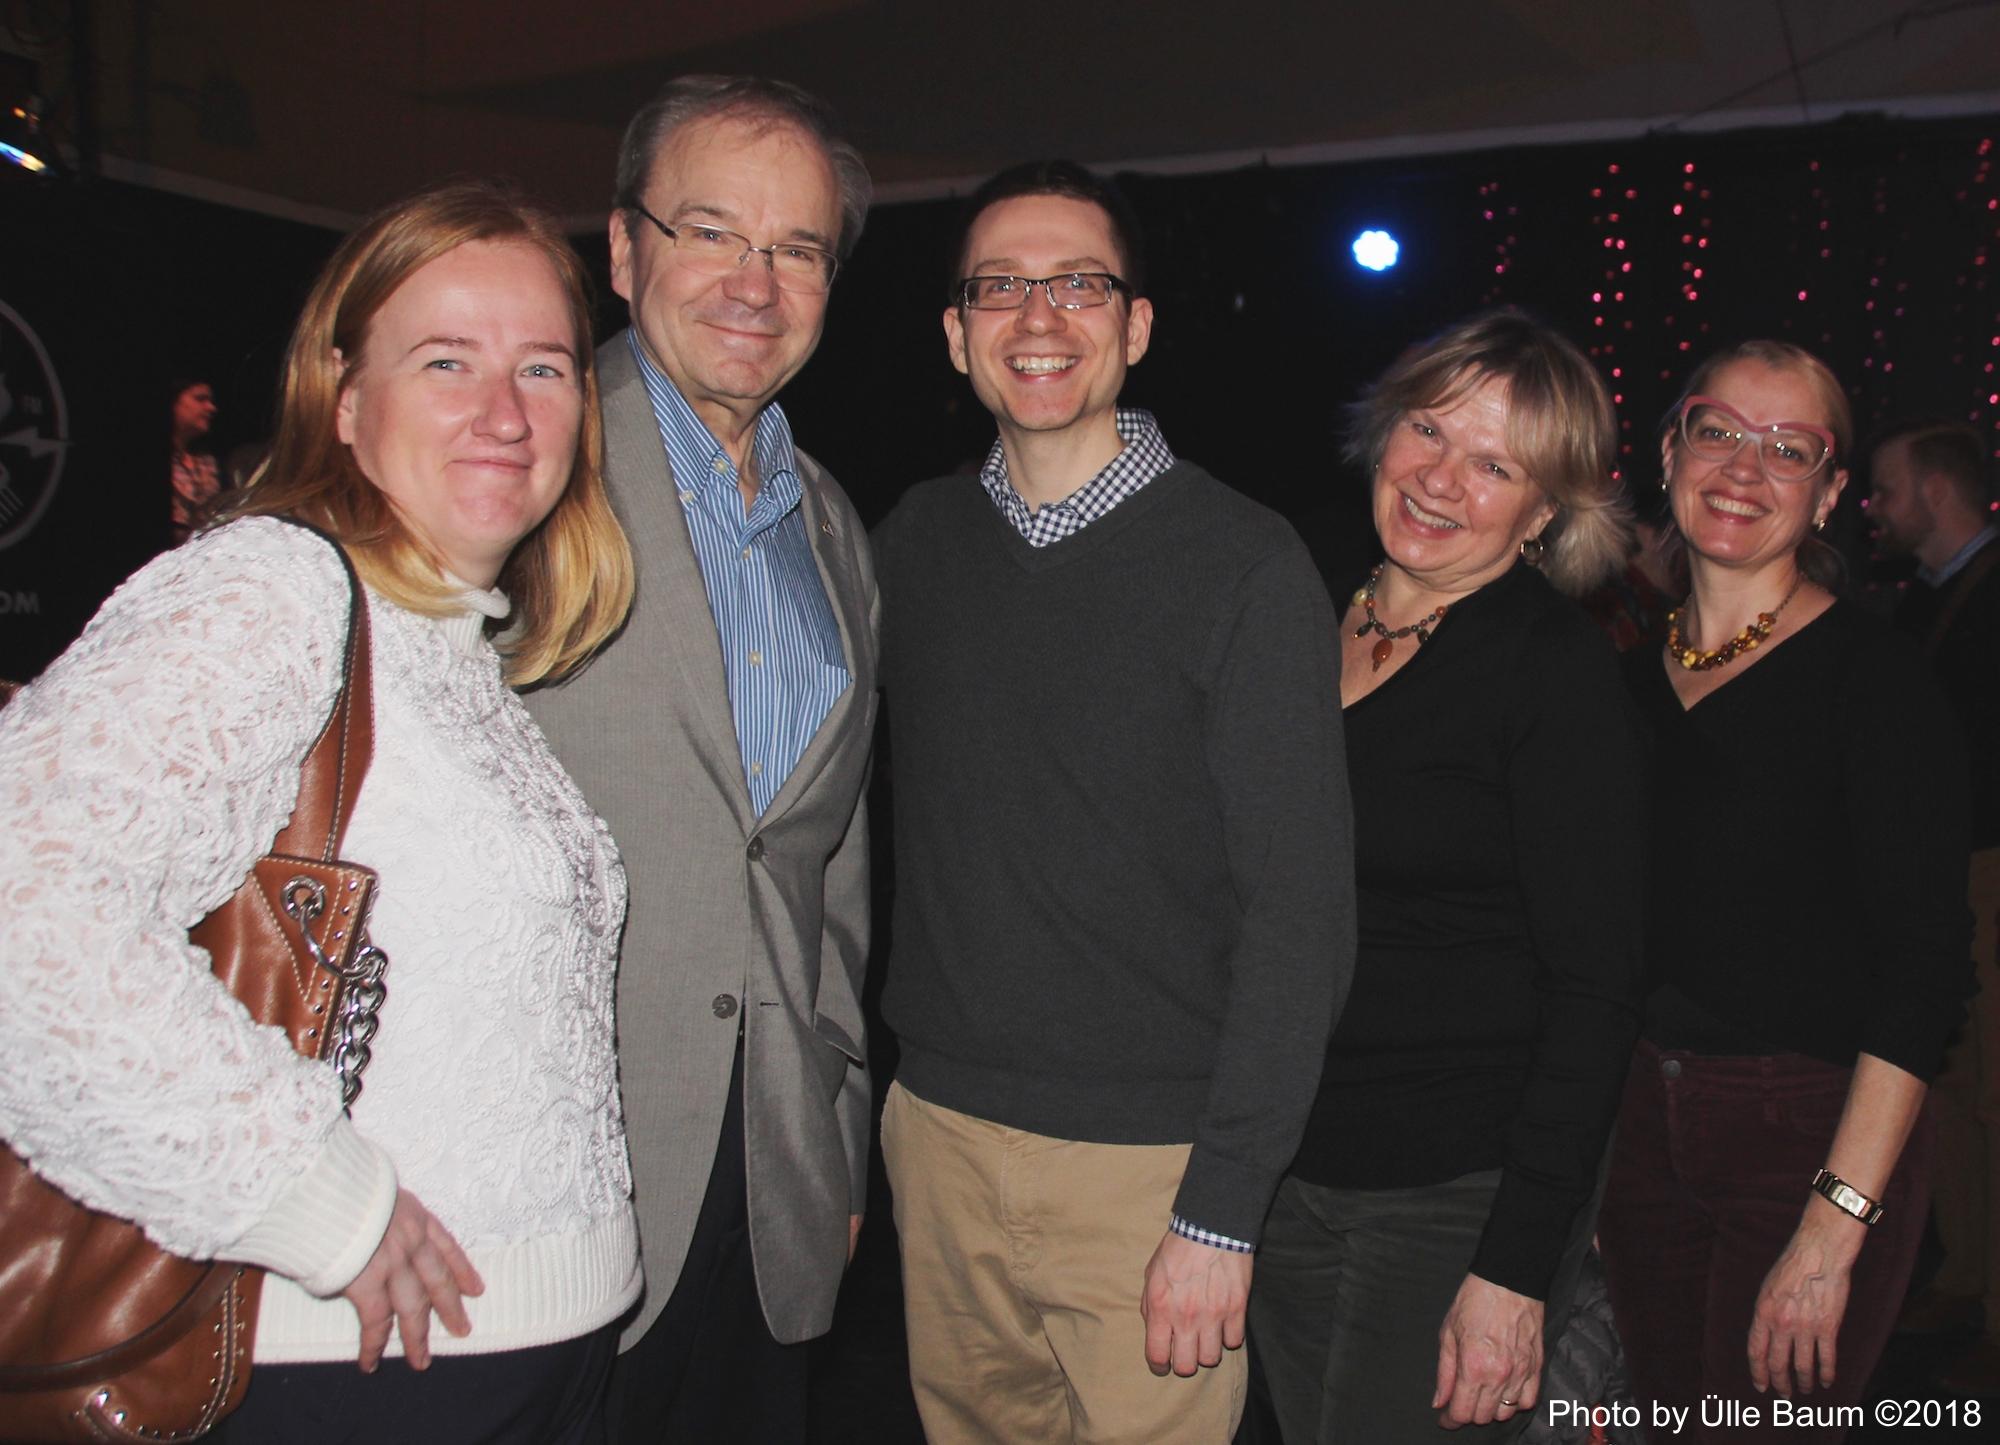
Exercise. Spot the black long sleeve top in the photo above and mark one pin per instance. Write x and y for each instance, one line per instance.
(1809, 853)
(1498, 788)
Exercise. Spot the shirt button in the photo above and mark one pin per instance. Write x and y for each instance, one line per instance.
(746, 554)
(724, 1005)
(687, 497)
(756, 658)
(1670, 1068)
(719, 466)
(756, 770)
(755, 851)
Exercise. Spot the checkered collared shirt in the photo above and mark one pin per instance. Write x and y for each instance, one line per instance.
(1145, 456)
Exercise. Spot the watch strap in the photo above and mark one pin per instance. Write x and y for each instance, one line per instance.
(1845, 1197)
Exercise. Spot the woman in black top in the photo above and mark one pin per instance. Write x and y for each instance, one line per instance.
(1807, 936)
(1452, 1152)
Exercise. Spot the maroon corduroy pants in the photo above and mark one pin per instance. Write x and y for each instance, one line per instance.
(1710, 1172)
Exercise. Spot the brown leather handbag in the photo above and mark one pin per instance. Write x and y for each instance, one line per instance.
(103, 1335)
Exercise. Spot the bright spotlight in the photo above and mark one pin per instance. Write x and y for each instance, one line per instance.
(1375, 250)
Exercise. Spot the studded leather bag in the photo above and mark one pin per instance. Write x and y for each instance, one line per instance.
(103, 1335)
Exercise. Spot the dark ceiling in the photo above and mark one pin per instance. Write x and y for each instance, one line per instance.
(324, 110)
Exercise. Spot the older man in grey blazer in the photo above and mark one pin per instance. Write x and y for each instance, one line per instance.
(724, 735)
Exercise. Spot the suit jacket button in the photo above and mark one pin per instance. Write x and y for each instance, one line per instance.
(756, 849)
(724, 1005)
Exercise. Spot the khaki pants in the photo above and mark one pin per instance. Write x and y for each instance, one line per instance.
(1965, 1191)
(1023, 1260)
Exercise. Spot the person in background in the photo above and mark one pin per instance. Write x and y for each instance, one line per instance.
(467, 1235)
(1806, 934)
(1929, 499)
(193, 476)
(1123, 891)
(1631, 606)
(1421, 1255)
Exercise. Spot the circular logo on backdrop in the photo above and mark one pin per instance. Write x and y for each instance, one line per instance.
(34, 428)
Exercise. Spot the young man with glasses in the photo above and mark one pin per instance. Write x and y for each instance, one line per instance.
(1124, 890)
(724, 736)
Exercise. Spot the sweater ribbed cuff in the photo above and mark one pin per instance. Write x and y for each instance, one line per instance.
(1230, 1198)
(326, 1224)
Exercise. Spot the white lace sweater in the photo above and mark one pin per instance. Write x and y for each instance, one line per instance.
(138, 779)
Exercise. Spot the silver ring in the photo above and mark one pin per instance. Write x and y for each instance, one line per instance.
(1505, 1401)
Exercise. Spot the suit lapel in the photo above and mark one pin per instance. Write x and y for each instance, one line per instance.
(843, 593)
(673, 614)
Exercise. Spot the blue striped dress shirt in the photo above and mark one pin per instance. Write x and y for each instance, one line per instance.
(780, 644)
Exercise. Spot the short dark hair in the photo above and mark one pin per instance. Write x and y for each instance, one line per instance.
(689, 98)
(1947, 449)
(1057, 178)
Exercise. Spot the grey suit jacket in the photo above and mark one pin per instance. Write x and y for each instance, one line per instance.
(734, 918)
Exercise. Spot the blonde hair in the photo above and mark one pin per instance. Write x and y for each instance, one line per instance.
(571, 579)
(1817, 558)
(1561, 426)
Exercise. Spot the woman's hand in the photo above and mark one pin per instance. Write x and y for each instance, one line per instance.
(1804, 1297)
(1489, 1355)
(418, 1268)
(1802, 1302)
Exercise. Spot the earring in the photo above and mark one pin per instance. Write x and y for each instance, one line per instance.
(1531, 551)
(1819, 524)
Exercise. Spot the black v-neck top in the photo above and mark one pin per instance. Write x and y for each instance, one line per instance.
(1809, 853)
(1498, 783)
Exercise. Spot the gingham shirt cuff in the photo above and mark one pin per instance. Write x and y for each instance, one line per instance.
(1188, 1230)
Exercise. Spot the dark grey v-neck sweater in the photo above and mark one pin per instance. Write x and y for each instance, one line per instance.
(1124, 883)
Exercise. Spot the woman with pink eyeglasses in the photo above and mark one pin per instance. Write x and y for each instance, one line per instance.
(1807, 937)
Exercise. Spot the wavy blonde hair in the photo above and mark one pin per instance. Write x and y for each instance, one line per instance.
(1561, 426)
(571, 579)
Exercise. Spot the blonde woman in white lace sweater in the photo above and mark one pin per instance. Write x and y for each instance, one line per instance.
(440, 422)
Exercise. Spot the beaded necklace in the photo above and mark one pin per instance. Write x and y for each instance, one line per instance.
(1748, 640)
(1386, 643)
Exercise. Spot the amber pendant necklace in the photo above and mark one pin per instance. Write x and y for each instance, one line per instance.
(1385, 642)
(1693, 659)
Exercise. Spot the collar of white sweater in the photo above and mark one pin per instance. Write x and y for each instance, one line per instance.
(465, 630)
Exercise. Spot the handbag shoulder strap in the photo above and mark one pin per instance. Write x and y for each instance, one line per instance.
(334, 769)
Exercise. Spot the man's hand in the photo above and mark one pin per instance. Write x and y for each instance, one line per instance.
(416, 1269)
(853, 1235)
(1489, 1355)
(1193, 1303)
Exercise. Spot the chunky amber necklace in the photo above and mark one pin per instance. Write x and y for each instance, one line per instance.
(1386, 642)
(1748, 640)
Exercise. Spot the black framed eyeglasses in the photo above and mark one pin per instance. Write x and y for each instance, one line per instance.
(717, 250)
(1072, 291)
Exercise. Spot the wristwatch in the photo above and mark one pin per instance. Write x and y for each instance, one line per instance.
(1845, 1197)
